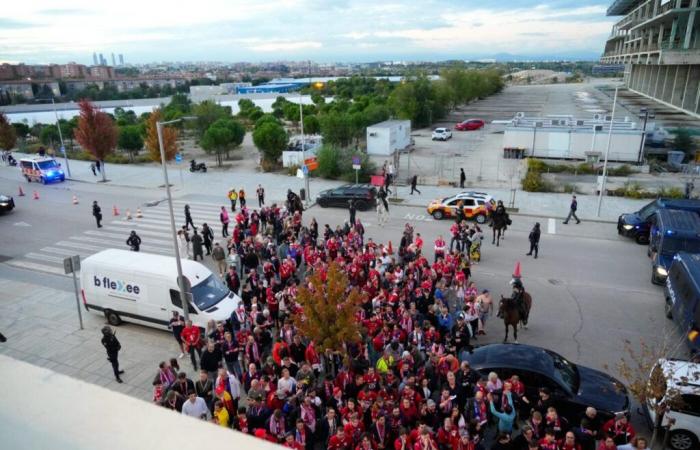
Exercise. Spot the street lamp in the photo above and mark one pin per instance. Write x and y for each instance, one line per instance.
(607, 152)
(182, 282)
(60, 136)
(646, 114)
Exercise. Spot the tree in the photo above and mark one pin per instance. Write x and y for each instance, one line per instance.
(311, 125)
(329, 310)
(8, 133)
(337, 129)
(245, 106)
(130, 139)
(271, 139)
(222, 136)
(684, 142)
(267, 118)
(208, 112)
(49, 135)
(169, 138)
(291, 112)
(96, 132)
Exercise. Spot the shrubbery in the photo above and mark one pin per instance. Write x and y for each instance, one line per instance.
(336, 163)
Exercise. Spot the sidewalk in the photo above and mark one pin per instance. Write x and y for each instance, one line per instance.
(221, 181)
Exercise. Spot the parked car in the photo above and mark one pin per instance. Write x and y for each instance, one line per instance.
(476, 205)
(682, 395)
(637, 224)
(7, 203)
(442, 134)
(682, 296)
(364, 195)
(470, 125)
(672, 231)
(573, 387)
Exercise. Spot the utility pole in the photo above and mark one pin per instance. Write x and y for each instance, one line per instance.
(646, 114)
(607, 153)
(60, 136)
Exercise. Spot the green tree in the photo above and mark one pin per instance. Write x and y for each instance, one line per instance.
(271, 140)
(130, 139)
(222, 136)
(245, 106)
(328, 158)
(329, 310)
(291, 112)
(208, 112)
(311, 125)
(178, 103)
(683, 141)
(8, 133)
(49, 135)
(267, 118)
(337, 129)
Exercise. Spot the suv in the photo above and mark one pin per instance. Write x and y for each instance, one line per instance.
(477, 206)
(364, 196)
(681, 381)
(637, 224)
(442, 134)
(673, 231)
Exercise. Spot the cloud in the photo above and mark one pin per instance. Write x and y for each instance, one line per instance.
(63, 11)
(277, 46)
(7, 23)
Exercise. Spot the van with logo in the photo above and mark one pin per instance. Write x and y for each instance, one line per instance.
(41, 169)
(682, 294)
(142, 288)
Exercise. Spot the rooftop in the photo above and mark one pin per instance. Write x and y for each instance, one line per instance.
(622, 7)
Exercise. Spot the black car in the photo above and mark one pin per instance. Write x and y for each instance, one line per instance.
(364, 196)
(637, 224)
(7, 203)
(573, 387)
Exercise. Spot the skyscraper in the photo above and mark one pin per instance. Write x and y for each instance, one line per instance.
(103, 61)
(114, 61)
(94, 58)
(121, 59)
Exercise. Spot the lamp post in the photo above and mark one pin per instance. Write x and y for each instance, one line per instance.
(646, 114)
(60, 136)
(303, 150)
(182, 282)
(607, 152)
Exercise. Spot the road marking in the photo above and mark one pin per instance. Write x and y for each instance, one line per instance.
(62, 251)
(106, 237)
(79, 245)
(22, 224)
(551, 226)
(36, 267)
(42, 257)
(419, 217)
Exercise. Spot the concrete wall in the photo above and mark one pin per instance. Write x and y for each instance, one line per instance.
(677, 86)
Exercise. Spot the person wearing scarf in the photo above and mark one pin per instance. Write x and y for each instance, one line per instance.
(277, 425)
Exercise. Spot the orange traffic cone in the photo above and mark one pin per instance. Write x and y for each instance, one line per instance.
(390, 249)
(115, 211)
(75, 199)
(36, 195)
(516, 272)
(21, 192)
(138, 213)
(128, 214)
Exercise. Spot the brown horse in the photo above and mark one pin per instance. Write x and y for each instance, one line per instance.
(509, 311)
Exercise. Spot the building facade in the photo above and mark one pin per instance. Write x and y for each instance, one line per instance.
(658, 41)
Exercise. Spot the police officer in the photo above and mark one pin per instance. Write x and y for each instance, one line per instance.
(134, 241)
(97, 213)
(112, 345)
(353, 211)
(519, 297)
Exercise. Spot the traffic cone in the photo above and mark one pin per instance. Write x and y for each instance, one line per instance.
(115, 211)
(21, 192)
(138, 213)
(36, 195)
(128, 215)
(75, 199)
(516, 272)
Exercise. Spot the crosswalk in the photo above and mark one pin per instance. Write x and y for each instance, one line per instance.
(153, 227)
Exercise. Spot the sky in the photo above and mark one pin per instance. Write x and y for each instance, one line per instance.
(42, 31)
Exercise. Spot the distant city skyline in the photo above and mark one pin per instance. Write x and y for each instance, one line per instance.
(323, 31)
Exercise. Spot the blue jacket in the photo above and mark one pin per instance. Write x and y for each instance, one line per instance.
(505, 421)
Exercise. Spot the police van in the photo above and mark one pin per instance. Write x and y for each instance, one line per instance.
(672, 231)
(41, 169)
(682, 295)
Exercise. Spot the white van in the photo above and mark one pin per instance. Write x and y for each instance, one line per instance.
(142, 288)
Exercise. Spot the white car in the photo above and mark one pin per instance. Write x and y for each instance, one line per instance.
(682, 379)
(442, 134)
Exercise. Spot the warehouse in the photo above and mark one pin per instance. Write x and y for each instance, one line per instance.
(565, 137)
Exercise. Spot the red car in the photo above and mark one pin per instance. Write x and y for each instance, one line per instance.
(470, 125)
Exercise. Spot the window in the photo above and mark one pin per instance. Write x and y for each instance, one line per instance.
(565, 372)
(469, 202)
(175, 300)
(45, 165)
(27, 164)
(648, 210)
(690, 404)
(209, 292)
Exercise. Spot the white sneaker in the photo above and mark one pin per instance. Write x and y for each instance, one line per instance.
(182, 355)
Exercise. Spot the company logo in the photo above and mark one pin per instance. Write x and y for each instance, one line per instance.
(118, 286)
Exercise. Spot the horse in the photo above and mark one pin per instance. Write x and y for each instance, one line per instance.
(509, 311)
(499, 224)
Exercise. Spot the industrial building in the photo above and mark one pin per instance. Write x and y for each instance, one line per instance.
(658, 41)
(566, 137)
(385, 138)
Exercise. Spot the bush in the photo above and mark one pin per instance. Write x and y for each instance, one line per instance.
(117, 158)
(533, 182)
(670, 192)
(292, 170)
(269, 166)
(328, 158)
(622, 171)
(536, 165)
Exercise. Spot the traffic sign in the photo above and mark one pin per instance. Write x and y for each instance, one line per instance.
(71, 264)
(305, 170)
(178, 158)
(63, 150)
(356, 162)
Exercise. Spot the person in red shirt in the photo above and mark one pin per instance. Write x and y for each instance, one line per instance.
(440, 247)
(448, 434)
(191, 336)
(619, 429)
(570, 442)
(339, 441)
(402, 442)
(425, 441)
(289, 442)
(549, 441)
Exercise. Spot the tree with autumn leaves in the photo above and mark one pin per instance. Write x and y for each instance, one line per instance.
(96, 132)
(329, 310)
(169, 137)
(8, 134)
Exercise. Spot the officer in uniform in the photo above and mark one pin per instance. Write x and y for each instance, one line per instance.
(112, 345)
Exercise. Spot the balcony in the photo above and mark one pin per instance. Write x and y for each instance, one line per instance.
(674, 55)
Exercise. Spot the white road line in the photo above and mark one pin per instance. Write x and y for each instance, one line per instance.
(117, 232)
(35, 267)
(551, 226)
(62, 251)
(121, 238)
(137, 226)
(122, 244)
(70, 244)
(42, 257)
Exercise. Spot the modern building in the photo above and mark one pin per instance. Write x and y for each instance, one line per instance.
(268, 88)
(94, 59)
(566, 137)
(114, 60)
(658, 41)
(121, 59)
(385, 138)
